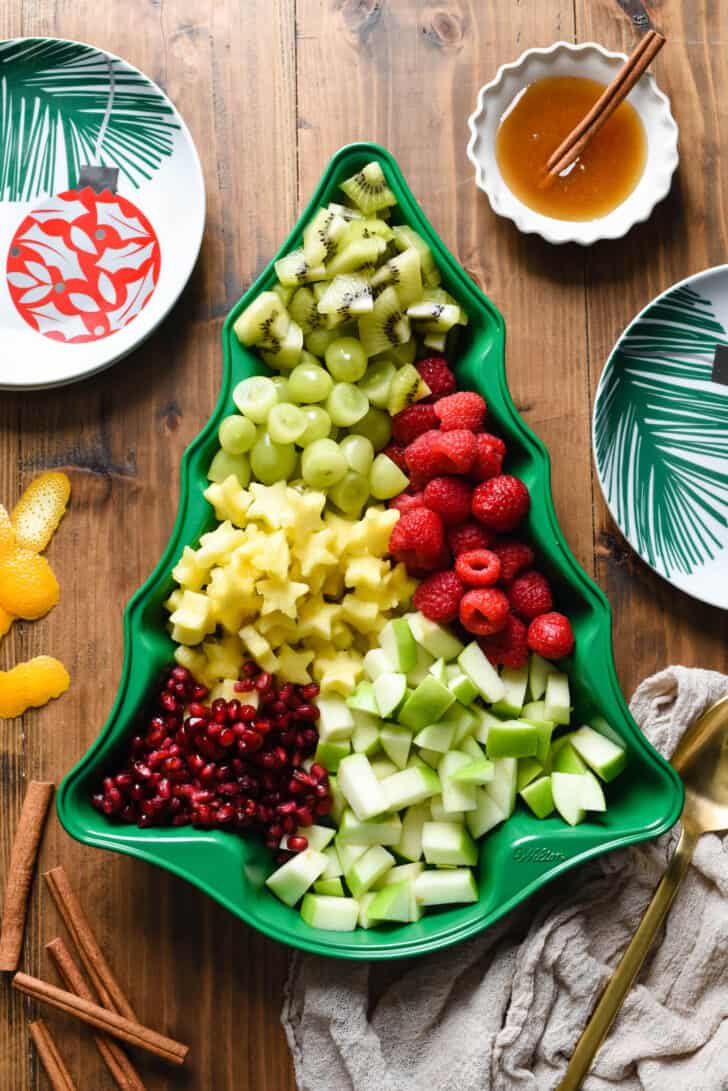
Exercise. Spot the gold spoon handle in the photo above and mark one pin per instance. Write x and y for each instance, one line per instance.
(629, 965)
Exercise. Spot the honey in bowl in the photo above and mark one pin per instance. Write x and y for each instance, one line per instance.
(602, 177)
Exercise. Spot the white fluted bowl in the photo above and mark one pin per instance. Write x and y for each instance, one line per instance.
(590, 61)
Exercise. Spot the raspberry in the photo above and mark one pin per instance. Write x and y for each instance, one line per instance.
(514, 556)
(397, 455)
(450, 498)
(438, 597)
(407, 501)
(484, 610)
(420, 459)
(530, 595)
(453, 452)
(478, 567)
(550, 635)
(489, 454)
(463, 410)
(418, 539)
(412, 422)
(509, 647)
(501, 503)
(468, 536)
(438, 376)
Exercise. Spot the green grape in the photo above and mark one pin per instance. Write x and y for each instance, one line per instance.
(271, 461)
(255, 397)
(358, 452)
(346, 359)
(377, 381)
(224, 464)
(346, 404)
(351, 493)
(322, 464)
(376, 426)
(280, 382)
(309, 383)
(236, 434)
(386, 479)
(318, 425)
(286, 423)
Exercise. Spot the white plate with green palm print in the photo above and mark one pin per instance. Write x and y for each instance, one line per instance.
(102, 208)
(661, 435)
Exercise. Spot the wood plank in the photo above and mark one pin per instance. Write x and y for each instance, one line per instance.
(654, 624)
(407, 75)
(190, 967)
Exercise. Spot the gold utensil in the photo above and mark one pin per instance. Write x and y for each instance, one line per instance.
(701, 759)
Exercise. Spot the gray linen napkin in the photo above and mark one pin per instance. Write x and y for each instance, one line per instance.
(504, 1010)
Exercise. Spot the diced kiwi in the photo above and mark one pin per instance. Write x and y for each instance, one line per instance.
(345, 212)
(355, 255)
(440, 317)
(366, 229)
(435, 341)
(286, 353)
(386, 326)
(407, 387)
(368, 189)
(284, 293)
(346, 296)
(404, 273)
(293, 269)
(303, 309)
(404, 237)
(321, 236)
(262, 319)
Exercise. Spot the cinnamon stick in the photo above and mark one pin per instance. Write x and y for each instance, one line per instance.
(58, 1074)
(126, 1076)
(103, 980)
(614, 94)
(108, 1021)
(20, 876)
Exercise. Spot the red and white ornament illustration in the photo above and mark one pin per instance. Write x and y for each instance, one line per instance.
(83, 265)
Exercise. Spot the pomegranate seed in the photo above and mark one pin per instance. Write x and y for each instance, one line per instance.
(297, 844)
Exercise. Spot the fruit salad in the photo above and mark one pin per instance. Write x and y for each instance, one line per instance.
(369, 661)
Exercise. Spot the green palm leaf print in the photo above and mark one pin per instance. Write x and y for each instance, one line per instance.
(64, 105)
(661, 434)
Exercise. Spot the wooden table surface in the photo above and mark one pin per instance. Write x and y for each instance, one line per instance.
(270, 88)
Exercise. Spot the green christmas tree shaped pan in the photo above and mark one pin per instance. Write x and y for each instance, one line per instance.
(523, 854)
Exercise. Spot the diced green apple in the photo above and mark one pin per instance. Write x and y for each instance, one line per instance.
(365, 739)
(439, 814)
(332, 888)
(385, 830)
(331, 754)
(410, 786)
(430, 757)
(396, 742)
(538, 671)
(291, 880)
(398, 874)
(459, 684)
(478, 668)
(434, 639)
(568, 792)
(528, 770)
(338, 803)
(436, 737)
(426, 705)
(409, 845)
(330, 914)
(470, 747)
(539, 797)
(515, 681)
(476, 773)
(389, 690)
(456, 796)
(333, 869)
(318, 837)
(364, 902)
(363, 698)
(446, 887)
(448, 843)
(486, 815)
(398, 644)
(348, 853)
(557, 702)
(367, 869)
(502, 789)
(422, 665)
(564, 758)
(394, 903)
(485, 720)
(600, 753)
(592, 798)
(383, 767)
(376, 662)
(438, 670)
(360, 787)
(463, 719)
(335, 722)
(534, 710)
(512, 739)
(545, 730)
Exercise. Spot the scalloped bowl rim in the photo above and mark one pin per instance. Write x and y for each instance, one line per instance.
(636, 208)
(161, 850)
